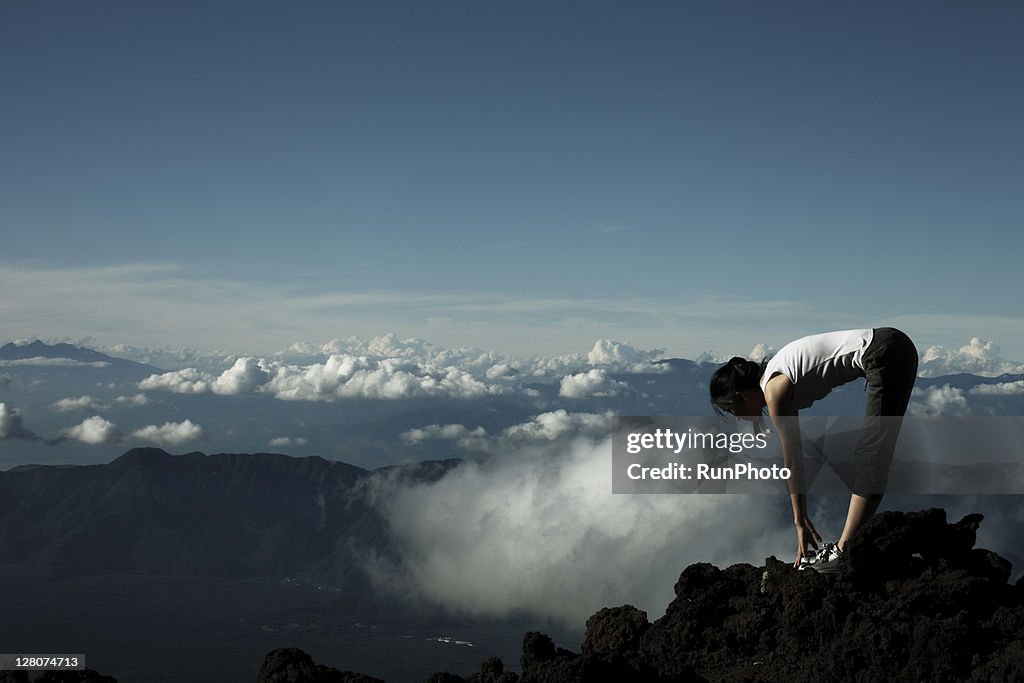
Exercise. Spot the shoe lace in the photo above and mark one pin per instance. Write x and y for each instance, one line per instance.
(827, 551)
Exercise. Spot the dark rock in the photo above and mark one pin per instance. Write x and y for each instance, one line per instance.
(616, 629)
(914, 601)
(491, 671)
(442, 677)
(291, 665)
(537, 649)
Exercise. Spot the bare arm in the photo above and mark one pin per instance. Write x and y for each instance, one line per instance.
(778, 396)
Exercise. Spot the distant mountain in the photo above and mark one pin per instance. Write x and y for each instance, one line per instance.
(76, 355)
(963, 380)
(223, 515)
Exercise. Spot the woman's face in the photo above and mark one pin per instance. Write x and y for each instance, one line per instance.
(747, 407)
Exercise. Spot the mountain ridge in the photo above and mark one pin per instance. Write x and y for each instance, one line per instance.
(225, 515)
(78, 354)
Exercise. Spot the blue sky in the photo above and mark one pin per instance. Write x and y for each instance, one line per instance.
(526, 177)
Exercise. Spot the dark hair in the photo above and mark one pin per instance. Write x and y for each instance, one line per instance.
(735, 376)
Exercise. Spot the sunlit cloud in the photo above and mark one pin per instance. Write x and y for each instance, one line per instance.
(70, 404)
(94, 430)
(940, 401)
(170, 433)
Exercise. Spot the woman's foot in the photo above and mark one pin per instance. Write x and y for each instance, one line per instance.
(826, 561)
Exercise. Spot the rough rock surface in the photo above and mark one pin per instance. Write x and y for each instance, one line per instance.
(291, 665)
(914, 601)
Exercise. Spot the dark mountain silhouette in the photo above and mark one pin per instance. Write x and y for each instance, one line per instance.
(964, 380)
(915, 602)
(38, 349)
(223, 515)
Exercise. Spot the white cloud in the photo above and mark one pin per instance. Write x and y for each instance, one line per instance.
(94, 430)
(500, 371)
(12, 426)
(538, 529)
(67, 405)
(760, 352)
(546, 366)
(170, 433)
(938, 401)
(419, 370)
(610, 355)
(978, 357)
(998, 389)
(618, 357)
(283, 441)
(464, 436)
(561, 423)
(592, 383)
(361, 376)
(710, 358)
(544, 428)
(134, 400)
(187, 381)
(245, 376)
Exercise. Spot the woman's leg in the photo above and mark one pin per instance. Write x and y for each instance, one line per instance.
(861, 508)
(890, 364)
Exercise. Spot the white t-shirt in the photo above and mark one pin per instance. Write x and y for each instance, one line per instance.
(819, 363)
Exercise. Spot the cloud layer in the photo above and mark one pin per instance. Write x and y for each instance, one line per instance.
(978, 357)
(542, 429)
(538, 529)
(388, 368)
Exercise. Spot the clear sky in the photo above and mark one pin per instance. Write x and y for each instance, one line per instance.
(526, 177)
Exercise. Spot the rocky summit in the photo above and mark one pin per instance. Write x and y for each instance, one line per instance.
(913, 601)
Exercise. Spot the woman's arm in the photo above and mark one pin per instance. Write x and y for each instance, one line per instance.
(778, 396)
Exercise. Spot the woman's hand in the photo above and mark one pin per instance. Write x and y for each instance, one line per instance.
(806, 535)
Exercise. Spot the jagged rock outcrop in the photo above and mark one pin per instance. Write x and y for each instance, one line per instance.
(915, 601)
